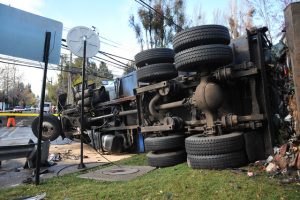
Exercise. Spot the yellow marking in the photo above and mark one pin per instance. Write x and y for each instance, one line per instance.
(3, 114)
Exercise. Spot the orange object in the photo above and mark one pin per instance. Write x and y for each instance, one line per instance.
(11, 122)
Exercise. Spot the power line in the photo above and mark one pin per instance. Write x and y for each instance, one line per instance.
(116, 60)
(103, 52)
(18, 64)
(112, 45)
(144, 4)
(119, 66)
(109, 44)
(111, 62)
(104, 38)
(54, 69)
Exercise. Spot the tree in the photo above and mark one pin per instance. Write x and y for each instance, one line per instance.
(52, 92)
(153, 29)
(199, 16)
(264, 12)
(27, 96)
(238, 17)
(98, 74)
(219, 17)
(13, 90)
(270, 13)
(137, 30)
(9, 78)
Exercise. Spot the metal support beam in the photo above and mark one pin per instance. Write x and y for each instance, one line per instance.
(269, 133)
(122, 113)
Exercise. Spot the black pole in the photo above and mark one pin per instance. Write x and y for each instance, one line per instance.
(41, 116)
(82, 165)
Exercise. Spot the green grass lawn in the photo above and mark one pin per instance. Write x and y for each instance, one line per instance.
(178, 182)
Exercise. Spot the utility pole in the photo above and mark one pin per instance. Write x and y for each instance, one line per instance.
(7, 67)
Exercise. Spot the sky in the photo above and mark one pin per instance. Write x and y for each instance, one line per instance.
(109, 16)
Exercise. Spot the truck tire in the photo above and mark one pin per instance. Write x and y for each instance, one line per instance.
(156, 159)
(220, 161)
(196, 145)
(156, 72)
(154, 56)
(164, 143)
(51, 127)
(207, 57)
(201, 35)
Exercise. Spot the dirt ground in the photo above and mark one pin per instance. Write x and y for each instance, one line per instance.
(70, 153)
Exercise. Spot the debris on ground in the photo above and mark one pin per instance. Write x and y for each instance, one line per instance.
(284, 161)
(250, 174)
(37, 197)
(27, 180)
(287, 156)
(54, 157)
(71, 153)
(271, 168)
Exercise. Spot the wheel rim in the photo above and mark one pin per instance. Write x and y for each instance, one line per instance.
(48, 130)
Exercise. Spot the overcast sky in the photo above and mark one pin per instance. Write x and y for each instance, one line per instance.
(109, 16)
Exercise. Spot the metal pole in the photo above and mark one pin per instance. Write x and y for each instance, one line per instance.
(82, 165)
(122, 113)
(41, 116)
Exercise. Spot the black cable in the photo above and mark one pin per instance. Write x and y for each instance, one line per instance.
(110, 64)
(109, 44)
(65, 167)
(110, 40)
(120, 66)
(111, 162)
(116, 60)
(32, 66)
(144, 4)
(123, 65)
(104, 38)
(82, 138)
(54, 69)
(20, 61)
(102, 52)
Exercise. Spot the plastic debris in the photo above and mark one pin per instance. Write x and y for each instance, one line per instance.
(55, 157)
(269, 159)
(289, 180)
(285, 160)
(275, 150)
(37, 197)
(288, 118)
(250, 174)
(271, 168)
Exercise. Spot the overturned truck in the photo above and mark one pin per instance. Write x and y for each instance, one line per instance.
(205, 101)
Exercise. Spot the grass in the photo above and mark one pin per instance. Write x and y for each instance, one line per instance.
(178, 182)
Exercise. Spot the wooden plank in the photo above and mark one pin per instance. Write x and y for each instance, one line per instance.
(292, 22)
